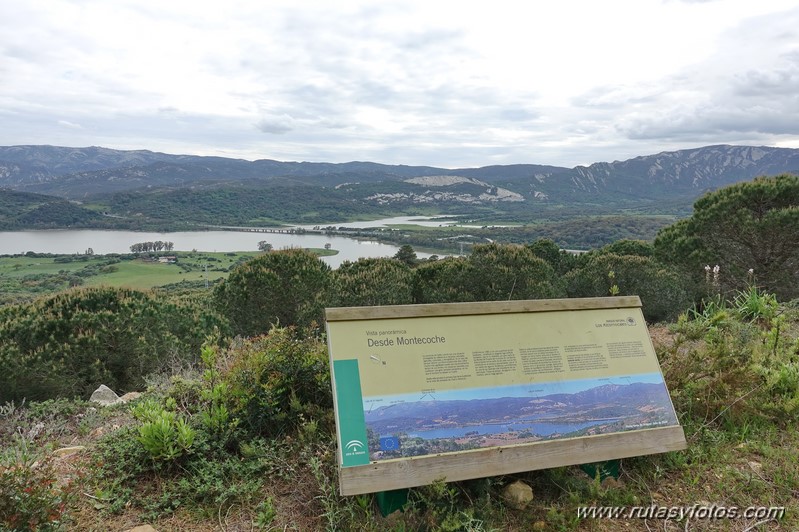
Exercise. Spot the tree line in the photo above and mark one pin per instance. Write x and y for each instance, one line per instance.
(750, 231)
(158, 245)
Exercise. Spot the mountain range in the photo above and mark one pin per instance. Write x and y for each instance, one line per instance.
(604, 401)
(80, 172)
(51, 186)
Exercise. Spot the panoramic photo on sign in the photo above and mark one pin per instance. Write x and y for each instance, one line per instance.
(421, 385)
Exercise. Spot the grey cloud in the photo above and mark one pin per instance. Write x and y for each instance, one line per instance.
(781, 82)
(296, 83)
(339, 51)
(738, 93)
(714, 122)
(375, 93)
(275, 128)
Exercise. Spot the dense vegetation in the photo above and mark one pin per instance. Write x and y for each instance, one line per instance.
(751, 230)
(236, 428)
(577, 226)
(22, 210)
(66, 345)
(241, 205)
(569, 232)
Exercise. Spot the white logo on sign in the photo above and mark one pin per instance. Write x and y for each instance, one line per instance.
(355, 445)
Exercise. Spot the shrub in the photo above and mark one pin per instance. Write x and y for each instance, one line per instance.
(639, 248)
(68, 344)
(743, 371)
(287, 287)
(368, 282)
(277, 382)
(659, 288)
(493, 272)
(164, 434)
(442, 281)
(561, 261)
(503, 272)
(753, 305)
(31, 497)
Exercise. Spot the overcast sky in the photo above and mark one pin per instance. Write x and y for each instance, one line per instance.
(419, 82)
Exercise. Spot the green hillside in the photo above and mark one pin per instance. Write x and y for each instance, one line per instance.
(22, 210)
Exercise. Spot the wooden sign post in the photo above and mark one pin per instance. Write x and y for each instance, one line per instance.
(467, 390)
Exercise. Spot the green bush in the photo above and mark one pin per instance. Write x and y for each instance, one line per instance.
(287, 287)
(561, 261)
(742, 370)
(126, 478)
(215, 394)
(204, 443)
(661, 292)
(163, 433)
(628, 247)
(503, 272)
(442, 281)
(493, 272)
(278, 382)
(370, 282)
(754, 305)
(68, 344)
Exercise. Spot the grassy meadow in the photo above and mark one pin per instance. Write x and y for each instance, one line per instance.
(23, 277)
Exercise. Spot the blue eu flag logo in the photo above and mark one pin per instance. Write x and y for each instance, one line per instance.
(389, 443)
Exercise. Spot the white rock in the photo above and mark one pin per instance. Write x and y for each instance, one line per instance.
(104, 396)
(142, 528)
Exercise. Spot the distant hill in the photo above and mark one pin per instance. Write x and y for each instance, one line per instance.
(144, 189)
(82, 172)
(72, 172)
(698, 169)
(23, 210)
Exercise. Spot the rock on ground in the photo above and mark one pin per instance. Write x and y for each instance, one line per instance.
(104, 396)
(518, 495)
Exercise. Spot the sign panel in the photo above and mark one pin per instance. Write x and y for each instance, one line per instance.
(431, 389)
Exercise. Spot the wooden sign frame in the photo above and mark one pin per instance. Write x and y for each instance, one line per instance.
(365, 343)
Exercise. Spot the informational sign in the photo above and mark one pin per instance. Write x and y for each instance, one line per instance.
(468, 390)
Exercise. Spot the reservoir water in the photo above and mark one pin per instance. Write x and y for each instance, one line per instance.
(539, 428)
(67, 241)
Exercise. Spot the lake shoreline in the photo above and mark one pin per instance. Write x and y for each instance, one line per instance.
(105, 242)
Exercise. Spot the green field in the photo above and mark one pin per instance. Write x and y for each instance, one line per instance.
(23, 277)
(144, 274)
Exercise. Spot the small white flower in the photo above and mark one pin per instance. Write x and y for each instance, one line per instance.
(707, 267)
(716, 268)
(751, 271)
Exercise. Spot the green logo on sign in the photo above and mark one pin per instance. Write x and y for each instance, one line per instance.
(351, 422)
